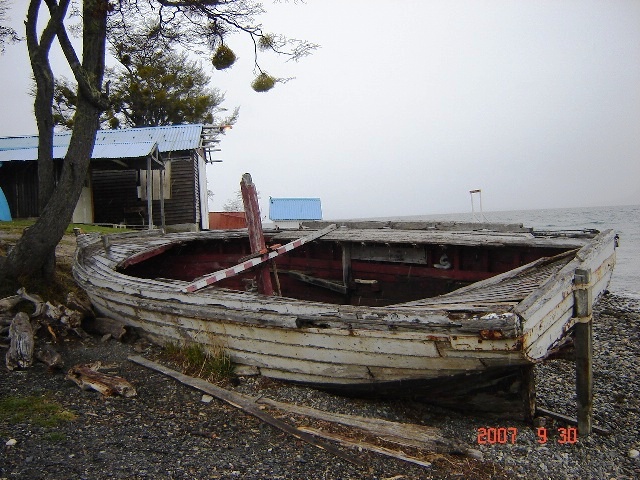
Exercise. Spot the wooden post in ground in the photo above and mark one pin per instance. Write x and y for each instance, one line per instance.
(150, 192)
(528, 390)
(583, 298)
(256, 236)
(162, 214)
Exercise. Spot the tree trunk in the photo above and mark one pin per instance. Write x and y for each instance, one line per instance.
(33, 251)
(44, 79)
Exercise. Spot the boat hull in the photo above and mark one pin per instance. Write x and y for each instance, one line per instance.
(499, 324)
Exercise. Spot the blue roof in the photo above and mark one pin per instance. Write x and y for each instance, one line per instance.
(295, 209)
(121, 143)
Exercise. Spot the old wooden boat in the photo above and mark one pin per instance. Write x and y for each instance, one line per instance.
(362, 305)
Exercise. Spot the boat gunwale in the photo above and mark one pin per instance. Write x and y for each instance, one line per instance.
(396, 314)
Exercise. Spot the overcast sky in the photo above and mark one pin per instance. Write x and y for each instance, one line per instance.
(408, 105)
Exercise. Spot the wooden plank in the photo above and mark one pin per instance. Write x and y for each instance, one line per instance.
(469, 238)
(569, 420)
(389, 253)
(212, 278)
(424, 225)
(377, 426)
(246, 404)
(521, 272)
(365, 446)
(318, 282)
(552, 319)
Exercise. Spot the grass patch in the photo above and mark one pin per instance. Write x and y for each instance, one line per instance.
(195, 361)
(86, 228)
(54, 290)
(63, 283)
(36, 410)
(18, 226)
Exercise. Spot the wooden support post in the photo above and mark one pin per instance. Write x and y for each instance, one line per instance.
(583, 298)
(528, 390)
(150, 192)
(162, 214)
(256, 236)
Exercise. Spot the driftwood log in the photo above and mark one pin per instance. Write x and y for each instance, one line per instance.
(20, 353)
(107, 326)
(49, 357)
(78, 304)
(88, 377)
(8, 303)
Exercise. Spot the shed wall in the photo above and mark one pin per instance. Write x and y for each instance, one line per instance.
(116, 197)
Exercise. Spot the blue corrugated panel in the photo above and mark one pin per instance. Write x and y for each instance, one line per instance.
(295, 209)
(170, 138)
(116, 150)
(124, 143)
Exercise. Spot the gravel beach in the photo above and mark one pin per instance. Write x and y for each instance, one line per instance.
(168, 432)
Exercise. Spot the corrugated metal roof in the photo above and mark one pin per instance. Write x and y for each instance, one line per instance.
(100, 151)
(295, 209)
(171, 138)
(123, 143)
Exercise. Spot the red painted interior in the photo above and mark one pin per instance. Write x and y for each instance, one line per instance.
(396, 282)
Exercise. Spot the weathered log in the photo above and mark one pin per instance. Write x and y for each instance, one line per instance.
(8, 303)
(49, 357)
(104, 326)
(88, 377)
(38, 303)
(51, 311)
(78, 304)
(20, 353)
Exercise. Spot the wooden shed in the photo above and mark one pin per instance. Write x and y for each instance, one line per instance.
(138, 176)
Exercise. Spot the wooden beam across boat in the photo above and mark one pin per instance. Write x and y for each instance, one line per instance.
(318, 282)
(214, 277)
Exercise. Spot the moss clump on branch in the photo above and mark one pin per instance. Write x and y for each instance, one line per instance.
(266, 42)
(223, 58)
(263, 83)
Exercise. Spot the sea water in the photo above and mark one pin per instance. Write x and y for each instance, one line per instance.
(623, 220)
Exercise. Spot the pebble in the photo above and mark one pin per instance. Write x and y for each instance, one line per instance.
(206, 399)
(11, 442)
(633, 453)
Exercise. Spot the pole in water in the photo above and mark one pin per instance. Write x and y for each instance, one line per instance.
(480, 217)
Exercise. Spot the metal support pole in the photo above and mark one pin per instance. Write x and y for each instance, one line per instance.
(583, 298)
